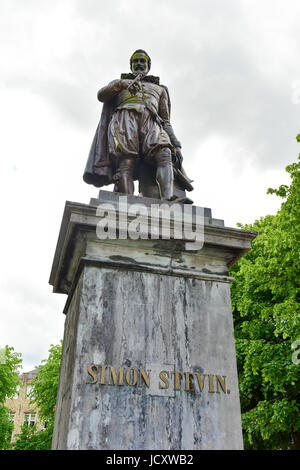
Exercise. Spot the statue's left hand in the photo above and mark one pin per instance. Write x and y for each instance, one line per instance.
(178, 158)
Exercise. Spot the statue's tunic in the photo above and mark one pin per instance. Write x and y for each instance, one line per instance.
(139, 121)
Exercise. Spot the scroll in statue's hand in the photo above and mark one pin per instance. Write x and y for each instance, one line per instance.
(134, 87)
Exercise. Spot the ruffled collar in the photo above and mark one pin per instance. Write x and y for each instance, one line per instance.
(147, 78)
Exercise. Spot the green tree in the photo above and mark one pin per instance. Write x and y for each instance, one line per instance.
(31, 439)
(266, 310)
(43, 394)
(10, 363)
(24, 439)
(6, 428)
(45, 384)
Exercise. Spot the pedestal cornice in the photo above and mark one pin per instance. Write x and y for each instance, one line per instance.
(78, 244)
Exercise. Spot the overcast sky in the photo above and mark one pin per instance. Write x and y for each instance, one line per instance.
(232, 69)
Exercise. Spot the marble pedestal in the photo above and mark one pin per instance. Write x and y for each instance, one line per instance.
(148, 355)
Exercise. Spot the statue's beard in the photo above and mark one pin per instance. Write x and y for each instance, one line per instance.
(140, 69)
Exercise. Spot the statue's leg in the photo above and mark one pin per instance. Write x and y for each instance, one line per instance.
(164, 173)
(126, 167)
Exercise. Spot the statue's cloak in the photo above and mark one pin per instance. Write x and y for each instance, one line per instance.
(99, 169)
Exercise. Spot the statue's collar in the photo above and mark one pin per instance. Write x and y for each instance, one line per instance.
(147, 78)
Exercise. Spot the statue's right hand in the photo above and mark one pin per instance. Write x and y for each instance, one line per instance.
(133, 88)
(125, 84)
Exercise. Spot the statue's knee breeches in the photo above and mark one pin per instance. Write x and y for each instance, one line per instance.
(127, 165)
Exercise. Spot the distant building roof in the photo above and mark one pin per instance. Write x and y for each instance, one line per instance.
(30, 375)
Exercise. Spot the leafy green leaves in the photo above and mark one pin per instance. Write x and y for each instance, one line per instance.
(266, 310)
(6, 428)
(43, 393)
(45, 383)
(10, 363)
(31, 439)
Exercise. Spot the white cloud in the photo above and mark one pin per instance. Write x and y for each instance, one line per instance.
(237, 189)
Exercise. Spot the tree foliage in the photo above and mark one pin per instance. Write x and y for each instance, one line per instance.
(266, 309)
(43, 394)
(9, 373)
(31, 439)
(6, 428)
(45, 384)
(10, 363)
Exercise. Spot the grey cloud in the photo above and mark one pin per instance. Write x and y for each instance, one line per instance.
(223, 91)
(73, 100)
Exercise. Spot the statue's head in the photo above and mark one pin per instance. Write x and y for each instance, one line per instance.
(140, 62)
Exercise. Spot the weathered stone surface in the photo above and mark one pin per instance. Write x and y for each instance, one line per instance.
(151, 305)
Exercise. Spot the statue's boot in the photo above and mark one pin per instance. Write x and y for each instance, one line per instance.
(164, 174)
(126, 169)
(183, 200)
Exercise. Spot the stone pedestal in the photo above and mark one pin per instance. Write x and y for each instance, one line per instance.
(148, 354)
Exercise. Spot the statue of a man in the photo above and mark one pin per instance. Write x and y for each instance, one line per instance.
(135, 130)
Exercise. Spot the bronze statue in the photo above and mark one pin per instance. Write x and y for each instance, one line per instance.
(135, 140)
